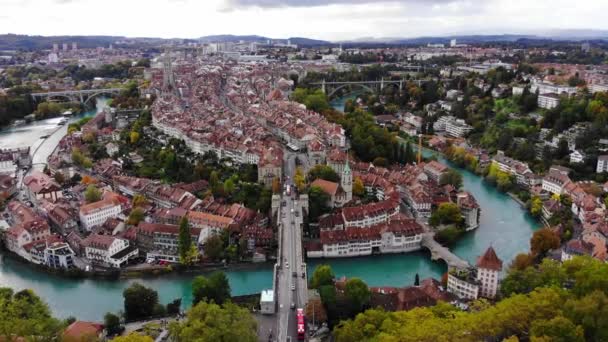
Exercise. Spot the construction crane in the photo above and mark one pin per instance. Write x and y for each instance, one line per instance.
(420, 136)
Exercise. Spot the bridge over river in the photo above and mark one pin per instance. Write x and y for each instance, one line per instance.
(440, 252)
(77, 95)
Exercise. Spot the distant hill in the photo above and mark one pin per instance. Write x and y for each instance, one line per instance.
(300, 41)
(231, 38)
(23, 42)
(554, 35)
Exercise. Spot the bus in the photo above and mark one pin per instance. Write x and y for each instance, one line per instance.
(288, 190)
(300, 324)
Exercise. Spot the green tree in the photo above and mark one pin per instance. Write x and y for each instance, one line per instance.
(214, 181)
(323, 172)
(111, 323)
(447, 213)
(591, 312)
(229, 186)
(357, 293)
(136, 216)
(184, 244)
(173, 308)
(139, 301)
(92, 194)
(317, 203)
(213, 247)
(25, 314)
(214, 288)
(323, 275)
(210, 322)
(512, 316)
(451, 177)
(557, 329)
(536, 206)
(328, 296)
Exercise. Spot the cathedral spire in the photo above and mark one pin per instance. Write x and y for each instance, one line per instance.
(168, 78)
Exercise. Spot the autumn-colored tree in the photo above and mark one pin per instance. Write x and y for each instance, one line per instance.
(89, 137)
(314, 308)
(276, 186)
(522, 261)
(544, 240)
(139, 200)
(358, 187)
(134, 137)
(86, 180)
(536, 206)
(300, 179)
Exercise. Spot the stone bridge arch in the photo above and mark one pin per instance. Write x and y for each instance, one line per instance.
(363, 86)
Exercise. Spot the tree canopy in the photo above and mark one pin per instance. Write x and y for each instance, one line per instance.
(24, 314)
(210, 322)
(451, 177)
(323, 172)
(139, 301)
(323, 275)
(214, 288)
(447, 213)
(92, 194)
(357, 293)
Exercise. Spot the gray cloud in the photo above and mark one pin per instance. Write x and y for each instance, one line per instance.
(231, 4)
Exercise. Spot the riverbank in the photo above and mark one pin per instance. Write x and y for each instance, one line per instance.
(135, 273)
(516, 199)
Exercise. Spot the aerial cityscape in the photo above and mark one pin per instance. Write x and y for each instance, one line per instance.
(277, 170)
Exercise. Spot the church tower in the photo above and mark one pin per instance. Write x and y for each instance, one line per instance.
(346, 181)
(168, 78)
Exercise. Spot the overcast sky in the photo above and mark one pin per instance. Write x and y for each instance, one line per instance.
(322, 19)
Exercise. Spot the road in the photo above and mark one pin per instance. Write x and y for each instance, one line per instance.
(292, 281)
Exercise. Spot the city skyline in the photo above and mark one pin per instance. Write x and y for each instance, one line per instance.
(331, 20)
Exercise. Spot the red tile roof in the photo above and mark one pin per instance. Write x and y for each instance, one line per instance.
(80, 329)
(490, 260)
(328, 187)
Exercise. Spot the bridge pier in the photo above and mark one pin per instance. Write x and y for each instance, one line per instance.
(323, 87)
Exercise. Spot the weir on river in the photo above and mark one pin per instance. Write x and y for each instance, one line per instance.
(503, 224)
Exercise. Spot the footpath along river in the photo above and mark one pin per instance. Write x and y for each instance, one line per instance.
(504, 225)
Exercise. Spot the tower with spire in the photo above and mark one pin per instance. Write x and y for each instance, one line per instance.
(168, 78)
(346, 181)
